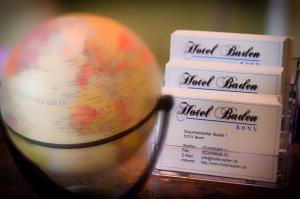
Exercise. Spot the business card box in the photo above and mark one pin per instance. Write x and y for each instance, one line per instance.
(223, 77)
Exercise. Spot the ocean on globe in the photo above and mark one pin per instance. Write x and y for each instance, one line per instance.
(78, 79)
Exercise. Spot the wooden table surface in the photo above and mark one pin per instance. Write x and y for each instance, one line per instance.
(14, 185)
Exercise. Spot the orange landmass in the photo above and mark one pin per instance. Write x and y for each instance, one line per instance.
(120, 67)
(84, 115)
(84, 76)
(12, 66)
(125, 42)
(146, 56)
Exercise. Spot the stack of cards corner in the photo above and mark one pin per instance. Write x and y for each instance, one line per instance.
(229, 91)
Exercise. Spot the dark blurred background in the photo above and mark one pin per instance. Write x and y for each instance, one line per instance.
(154, 20)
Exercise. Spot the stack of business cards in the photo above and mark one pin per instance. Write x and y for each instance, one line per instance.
(228, 91)
(223, 77)
(245, 49)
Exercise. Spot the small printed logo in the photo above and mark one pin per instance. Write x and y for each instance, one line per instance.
(232, 83)
(185, 110)
(232, 114)
(193, 49)
(189, 80)
(233, 52)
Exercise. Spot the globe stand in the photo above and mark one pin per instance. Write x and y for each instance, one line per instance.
(47, 188)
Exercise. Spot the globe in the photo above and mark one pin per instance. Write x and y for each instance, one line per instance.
(73, 82)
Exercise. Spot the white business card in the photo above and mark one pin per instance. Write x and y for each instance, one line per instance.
(222, 133)
(223, 77)
(230, 47)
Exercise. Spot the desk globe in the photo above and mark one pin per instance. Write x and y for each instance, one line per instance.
(75, 80)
